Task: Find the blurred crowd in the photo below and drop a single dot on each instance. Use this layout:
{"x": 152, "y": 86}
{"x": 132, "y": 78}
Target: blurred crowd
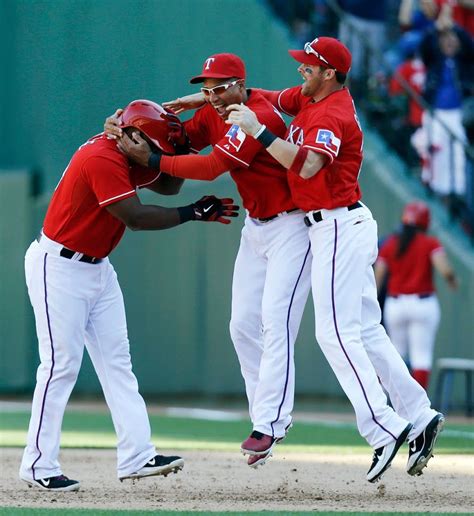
{"x": 413, "y": 76}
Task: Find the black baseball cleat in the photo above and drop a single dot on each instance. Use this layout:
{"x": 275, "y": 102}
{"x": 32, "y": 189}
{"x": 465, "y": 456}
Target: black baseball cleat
{"x": 59, "y": 483}
{"x": 384, "y": 455}
{"x": 421, "y": 448}
{"x": 158, "y": 465}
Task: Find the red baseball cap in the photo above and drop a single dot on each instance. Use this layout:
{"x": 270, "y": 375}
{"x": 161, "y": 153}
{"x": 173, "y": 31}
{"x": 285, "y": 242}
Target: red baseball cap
{"x": 328, "y": 52}
{"x": 221, "y": 66}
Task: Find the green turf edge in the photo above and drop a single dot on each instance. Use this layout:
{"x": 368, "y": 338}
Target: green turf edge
{"x": 14, "y": 511}
{"x": 73, "y": 512}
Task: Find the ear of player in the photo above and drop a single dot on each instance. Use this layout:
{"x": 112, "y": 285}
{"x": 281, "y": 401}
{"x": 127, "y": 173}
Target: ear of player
{"x": 212, "y": 209}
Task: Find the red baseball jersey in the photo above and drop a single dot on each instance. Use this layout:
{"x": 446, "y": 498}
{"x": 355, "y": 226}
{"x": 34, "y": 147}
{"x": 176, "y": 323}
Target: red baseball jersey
{"x": 330, "y": 127}
{"x": 414, "y": 73}
{"x": 260, "y": 179}
{"x": 97, "y": 175}
{"x": 411, "y": 273}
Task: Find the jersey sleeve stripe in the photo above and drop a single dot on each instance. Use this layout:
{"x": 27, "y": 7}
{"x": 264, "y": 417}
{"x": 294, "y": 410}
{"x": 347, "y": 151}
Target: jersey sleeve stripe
{"x": 232, "y": 156}
{"x": 149, "y": 182}
{"x": 131, "y": 192}
{"x": 279, "y": 103}
{"x": 322, "y": 151}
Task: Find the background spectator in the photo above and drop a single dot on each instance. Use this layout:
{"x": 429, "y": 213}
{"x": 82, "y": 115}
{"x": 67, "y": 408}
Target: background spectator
{"x": 411, "y": 311}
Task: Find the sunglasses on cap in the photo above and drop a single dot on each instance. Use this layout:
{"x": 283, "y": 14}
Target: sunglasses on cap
{"x": 310, "y": 50}
{"x": 220, "y": 89}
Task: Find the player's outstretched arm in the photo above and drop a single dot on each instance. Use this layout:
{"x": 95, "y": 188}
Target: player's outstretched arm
{"x": 181, "y": 104}
{"x": 140, "y": 217}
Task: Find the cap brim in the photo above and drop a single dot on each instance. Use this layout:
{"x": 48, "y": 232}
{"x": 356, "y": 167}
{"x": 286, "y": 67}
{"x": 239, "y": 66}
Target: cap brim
{"x": 302, "y": 57}
{"x": 201, "y": 78}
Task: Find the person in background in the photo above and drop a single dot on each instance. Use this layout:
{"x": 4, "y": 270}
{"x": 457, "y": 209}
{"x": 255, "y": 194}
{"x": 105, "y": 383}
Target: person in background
{"x": 363, "y": 29}
{"x": 448, "y": 55}
{"x": 411, "y": 313}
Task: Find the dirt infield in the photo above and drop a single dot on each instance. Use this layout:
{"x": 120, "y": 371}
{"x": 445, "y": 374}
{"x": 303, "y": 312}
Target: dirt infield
{"x": 215, "y": 481}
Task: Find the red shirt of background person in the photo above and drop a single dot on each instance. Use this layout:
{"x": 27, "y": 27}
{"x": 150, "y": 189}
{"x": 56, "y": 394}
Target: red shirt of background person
{"x": 413, "y": 71}
{"x": 98, "y": 175}
{"x": 411, "y": 256}
{"x": 411, "y": 310}
{"x": 412, "y": 272}
{"x": 462, "y": 13}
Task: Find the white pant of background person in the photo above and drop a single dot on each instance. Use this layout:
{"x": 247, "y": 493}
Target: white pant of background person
{"x": 445, "y": 170}
{"x": 349, "y": 332}
{"x": 77, "y": 304}
{"x": 412, "y": 323}
{"x": 270, "y": 287}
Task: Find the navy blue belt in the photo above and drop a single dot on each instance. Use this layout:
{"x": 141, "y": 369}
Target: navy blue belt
{"x": 421, "y": 296}
{"x": 318, "y": 217}
{"x": 67, "y": 253}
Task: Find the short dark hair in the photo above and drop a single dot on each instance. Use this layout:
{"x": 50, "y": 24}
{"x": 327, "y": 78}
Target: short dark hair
{"x": 341, "y": 77}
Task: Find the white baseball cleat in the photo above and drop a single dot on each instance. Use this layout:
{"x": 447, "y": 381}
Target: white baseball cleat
{"x": 421, "y": 448}
{"x": 58, "y": 483}
{"x": 384, "y": 455}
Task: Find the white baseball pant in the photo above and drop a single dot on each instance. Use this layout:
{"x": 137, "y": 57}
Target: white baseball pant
{"x": 349, "y": 332}
{"x": 412, "y": 323}
{"x": 77, "y": 304}
{"x": 269, "y": 292}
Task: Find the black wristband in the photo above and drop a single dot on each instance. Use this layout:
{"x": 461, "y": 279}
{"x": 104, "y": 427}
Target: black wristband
{"x": 154, "y": 160}
{"x": 266, "y": 138}
{"x": 186, "y": 213}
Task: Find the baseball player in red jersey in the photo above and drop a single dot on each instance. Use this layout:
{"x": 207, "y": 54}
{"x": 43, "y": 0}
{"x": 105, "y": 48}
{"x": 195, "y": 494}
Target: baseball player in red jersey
{"x": 77, "y": 300}
{"x": 271, "y": 277}
{"x": 323, "y": 154}
{"x": 411, "y": 312}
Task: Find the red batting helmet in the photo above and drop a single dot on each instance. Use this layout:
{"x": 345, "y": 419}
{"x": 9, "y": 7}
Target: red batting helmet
{"x": 416, "y": 214}
{"x": 151, "y": 119}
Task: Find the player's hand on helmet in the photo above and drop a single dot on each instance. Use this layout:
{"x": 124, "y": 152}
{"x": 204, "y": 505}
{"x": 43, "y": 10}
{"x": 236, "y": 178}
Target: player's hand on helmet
{"x": 182, "y": 104}
{"x": 177, "y": 134}
{"x": 112, "y": 127}
{"x": 212, "y": 209}
{"x": 136, "y": 148}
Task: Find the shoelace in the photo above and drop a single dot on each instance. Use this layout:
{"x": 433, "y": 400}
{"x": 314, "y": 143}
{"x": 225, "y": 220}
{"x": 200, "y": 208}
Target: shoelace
{"x": 257, "y": 435}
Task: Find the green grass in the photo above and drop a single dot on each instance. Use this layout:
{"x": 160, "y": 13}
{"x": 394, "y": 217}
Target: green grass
{"x": 95, "y": 430}
{"x": 93, "y": 512}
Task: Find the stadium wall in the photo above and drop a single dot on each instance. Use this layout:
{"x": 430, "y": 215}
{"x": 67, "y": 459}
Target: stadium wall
{"x": 73, "y": 63}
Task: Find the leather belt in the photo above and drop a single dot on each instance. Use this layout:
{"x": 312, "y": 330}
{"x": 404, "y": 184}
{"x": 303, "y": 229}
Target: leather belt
{"x": 68, "y": 253}
{"x": 268, "y": 219}
{"x": 317, "y": 216}
{"x": 421, "y": 296}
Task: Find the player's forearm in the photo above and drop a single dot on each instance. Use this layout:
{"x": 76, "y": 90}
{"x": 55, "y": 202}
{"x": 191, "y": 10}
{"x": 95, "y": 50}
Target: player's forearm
{"x": 284, "y": 152}
{"x": 151, "y": 217}
{"x": 298, "y": 160}
{"x": 205, "y": 168}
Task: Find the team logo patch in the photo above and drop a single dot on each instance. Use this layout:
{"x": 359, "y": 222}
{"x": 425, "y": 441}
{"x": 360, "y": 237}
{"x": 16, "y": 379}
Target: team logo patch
{"x": 327, "y": 138}
{"x": 236, "y": 136}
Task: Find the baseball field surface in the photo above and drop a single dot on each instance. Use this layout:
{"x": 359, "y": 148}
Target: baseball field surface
{"x": 320, "y": 467}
